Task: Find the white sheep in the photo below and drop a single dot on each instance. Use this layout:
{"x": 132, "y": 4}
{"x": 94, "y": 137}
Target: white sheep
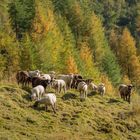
{"x": 35, "y": 73}
{"x": 82, "y": 88}
{"x": 49, "y": 99}
{"x": 93, "y": 87}
{"x": 46, "y": 76}
{"x": 37, "y": 92}
{"x": 101, "y": 88}
{"x": 58, "y": 85}
{"x": 67, "y": 78}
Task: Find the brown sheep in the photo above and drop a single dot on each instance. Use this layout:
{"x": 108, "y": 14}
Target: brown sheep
{"x": 40, "y": 81}
{"x": 23, "y": 78}
{"x": 75, "y": 78}
{"x": 125, "y": 91}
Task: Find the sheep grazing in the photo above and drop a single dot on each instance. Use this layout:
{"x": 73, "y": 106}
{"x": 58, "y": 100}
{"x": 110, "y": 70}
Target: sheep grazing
{"x": 82, "y": 88}
{"x": 37, "y": 92}
{"x": 58, "y": 85}
{"x": 125, "y": 91}
{"x": 35, "y": 73}
{"x": 40, "y": 81}
{"x": 49, "y": 99}
{"x": 101, "y": 89}
{"x": 23, "y": 78}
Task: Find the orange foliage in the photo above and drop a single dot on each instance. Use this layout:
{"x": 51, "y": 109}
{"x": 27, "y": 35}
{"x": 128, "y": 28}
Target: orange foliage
{"x": 86, "y": 55}
{"x": 71, "y": 65}
{"x": 110, "y": 90}
{"x": 126, "y": 50}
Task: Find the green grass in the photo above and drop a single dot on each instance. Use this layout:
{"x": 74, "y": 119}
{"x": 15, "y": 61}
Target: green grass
{"x": 97, "y": 118}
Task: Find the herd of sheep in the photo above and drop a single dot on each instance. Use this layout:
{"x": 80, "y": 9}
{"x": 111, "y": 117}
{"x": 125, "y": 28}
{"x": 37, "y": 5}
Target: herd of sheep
{"x": 61, "y": 83}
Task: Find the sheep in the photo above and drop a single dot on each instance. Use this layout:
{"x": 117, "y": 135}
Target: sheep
{"x": 58, "y": 85}
{"x": 87, "y": 81}
{"x": 93, "y": 87}
{"x": 82, "y": 88}
{"x": 67, "y": 78}
{"x": 52, "y": 74}
{"x": 37, "y": 92}
{"x": 101, "y": 89}
{"x": 35, "y": 73}
{"x": 75, "y": 78}
{"x": 125, "y": 91}
{"x": 45, "y": 76}
{"x": 40, "y": 81}
{"x": 23, "y": 78}
{"x": 49, "y": 99}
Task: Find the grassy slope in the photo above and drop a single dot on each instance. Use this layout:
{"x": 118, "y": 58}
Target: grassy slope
{"x": 96, "y": 118}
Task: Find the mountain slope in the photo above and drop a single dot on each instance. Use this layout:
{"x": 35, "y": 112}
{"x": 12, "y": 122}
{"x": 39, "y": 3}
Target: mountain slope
{"x": 96, "y": 118}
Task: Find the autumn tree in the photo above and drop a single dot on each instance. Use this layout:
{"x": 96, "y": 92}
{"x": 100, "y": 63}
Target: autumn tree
{"x": 126, "y": 50}
{"x": 9, "y": 55}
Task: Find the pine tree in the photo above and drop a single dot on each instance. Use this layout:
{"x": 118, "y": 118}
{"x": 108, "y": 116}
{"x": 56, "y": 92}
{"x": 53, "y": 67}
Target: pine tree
{"x": 21, "y": 14}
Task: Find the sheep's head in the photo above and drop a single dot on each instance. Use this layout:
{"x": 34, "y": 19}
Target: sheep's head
{"x": 130, "y": 86}
{"x": 33, "y": 97}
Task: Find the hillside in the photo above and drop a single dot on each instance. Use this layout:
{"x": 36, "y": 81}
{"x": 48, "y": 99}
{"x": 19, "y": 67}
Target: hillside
{"x": 107, "y": 118}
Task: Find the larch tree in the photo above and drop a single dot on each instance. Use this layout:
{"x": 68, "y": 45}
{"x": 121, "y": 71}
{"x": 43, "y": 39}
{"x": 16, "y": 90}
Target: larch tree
{"x": 126, "y": 50}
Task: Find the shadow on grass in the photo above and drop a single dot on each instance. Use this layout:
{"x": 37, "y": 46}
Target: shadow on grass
{"x": 27, "y": 97}
{"x": 27, "y": 89}
{"x": 92, "y": 93}
{"x": 68, "y": 96}
{"x": 42, "y": 108}
{"x": 112, "y": 100}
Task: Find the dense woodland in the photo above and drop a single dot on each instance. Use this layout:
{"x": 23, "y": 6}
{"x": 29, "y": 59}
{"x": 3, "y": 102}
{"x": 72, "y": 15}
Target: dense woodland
{"x": 95, "y": 38}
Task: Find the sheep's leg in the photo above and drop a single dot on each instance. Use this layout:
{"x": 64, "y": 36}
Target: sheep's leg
{"x": 46, "y": 107}
{"x": 80, "y": 95}
{"x": 60, "y": 89}
{"x": 85, "y": 94}
{"x": 53, "y": 108}
{"x": 64, "y": 88}
{"x": 121, "y": 96}
{"x": 128, "y": 99}
{"x": 102, "y": 93}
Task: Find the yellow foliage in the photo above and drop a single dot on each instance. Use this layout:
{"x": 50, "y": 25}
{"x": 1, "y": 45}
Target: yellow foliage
{"x": 71, "y": 65}
{"x": 44, "y": 20}
{"x": 86, "y": 55}
{"x": 134, "y": 64}
{"x": 110, "y": 90}
{"x": 126, "y": 50}
{"x": 126, "y": 80}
